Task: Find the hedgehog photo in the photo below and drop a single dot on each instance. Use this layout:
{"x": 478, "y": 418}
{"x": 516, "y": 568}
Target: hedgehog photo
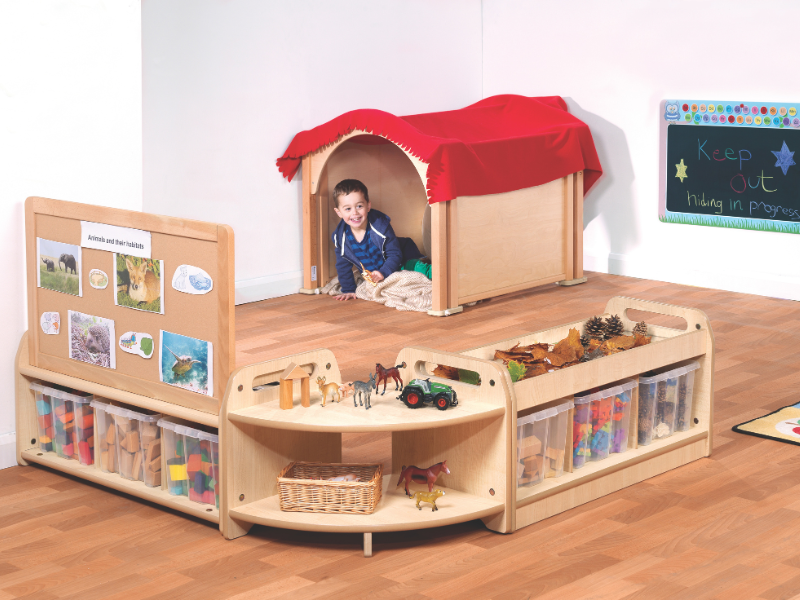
{"x": 91, "y": 339}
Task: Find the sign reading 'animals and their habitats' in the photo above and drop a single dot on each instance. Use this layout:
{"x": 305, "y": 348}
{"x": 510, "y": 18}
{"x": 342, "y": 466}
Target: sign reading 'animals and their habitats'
{"x": 733, "y": 165}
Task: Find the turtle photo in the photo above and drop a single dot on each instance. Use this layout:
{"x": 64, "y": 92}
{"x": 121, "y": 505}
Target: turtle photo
{"x": 182, "y": 364}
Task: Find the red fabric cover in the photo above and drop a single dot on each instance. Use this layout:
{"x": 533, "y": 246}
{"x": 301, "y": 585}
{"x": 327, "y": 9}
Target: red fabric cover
{"x": 499, "y": 144}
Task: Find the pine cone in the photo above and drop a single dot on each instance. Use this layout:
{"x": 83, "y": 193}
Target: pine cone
{"x": 640, "y": 328}
{"x": 585, "y": 339}
{"x": 595, "y": 328}
{"x": 613, "y": 327}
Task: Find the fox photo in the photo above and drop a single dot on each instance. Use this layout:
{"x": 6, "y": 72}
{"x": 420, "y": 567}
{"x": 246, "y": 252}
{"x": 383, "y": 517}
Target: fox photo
{"x": 140, "y": 284}
{"x": 59, "y": 266}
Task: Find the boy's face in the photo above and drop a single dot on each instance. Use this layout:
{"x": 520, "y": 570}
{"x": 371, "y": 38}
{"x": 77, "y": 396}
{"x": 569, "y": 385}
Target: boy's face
{"x": 353, "y": 209}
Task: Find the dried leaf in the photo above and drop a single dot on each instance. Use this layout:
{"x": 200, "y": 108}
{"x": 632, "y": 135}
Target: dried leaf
{"x": 621, "y": 342}
{"x": 641, "y": 340}
{"x": 446, "y": 372}
{"x": 570, "y": 345}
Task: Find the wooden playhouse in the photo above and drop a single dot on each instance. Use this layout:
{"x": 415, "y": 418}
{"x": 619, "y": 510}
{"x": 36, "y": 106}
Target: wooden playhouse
{"x": 493, "y": 192}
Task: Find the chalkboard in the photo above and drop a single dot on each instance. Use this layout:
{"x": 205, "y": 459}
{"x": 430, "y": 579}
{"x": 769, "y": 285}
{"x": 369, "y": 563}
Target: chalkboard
{"x": 733, "y": 177}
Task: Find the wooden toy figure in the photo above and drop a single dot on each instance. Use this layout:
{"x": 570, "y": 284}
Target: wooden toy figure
{"x": 328, "y": 388}
{"x": 429, "y": 475}
{"x": 287, "y": 378}
{"x": 429, "y": 497}
{"x": 384, "y": 374}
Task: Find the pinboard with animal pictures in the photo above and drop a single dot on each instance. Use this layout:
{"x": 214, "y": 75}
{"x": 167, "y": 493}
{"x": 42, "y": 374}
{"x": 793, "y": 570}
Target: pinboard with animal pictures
{"x": 131, "y": 300}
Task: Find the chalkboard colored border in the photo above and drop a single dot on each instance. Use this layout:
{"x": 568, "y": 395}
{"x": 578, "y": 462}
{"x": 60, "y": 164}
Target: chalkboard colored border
{"x": 714, "y": 186}
{"x": 726, "y": 113}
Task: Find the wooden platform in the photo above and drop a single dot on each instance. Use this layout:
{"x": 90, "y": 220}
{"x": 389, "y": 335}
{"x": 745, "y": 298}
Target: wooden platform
{"x": 722, "y": 527}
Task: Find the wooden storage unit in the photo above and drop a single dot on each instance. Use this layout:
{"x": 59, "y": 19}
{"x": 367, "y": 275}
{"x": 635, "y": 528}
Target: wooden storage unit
{"x": 258, "y": 440}
{"x": 28, "y": 443}
{"x": 526, "y": 238}
{"x": 596, "y": 479}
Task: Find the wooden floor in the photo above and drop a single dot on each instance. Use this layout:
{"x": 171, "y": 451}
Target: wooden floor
{"x": 723, "y": 527}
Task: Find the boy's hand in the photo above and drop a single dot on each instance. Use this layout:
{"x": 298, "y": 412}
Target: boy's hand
{"x": 376, "y": 276}
{"x": 350, "y": 296}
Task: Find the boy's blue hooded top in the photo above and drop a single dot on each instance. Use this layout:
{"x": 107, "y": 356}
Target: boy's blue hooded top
{"x": 381, "y": 235}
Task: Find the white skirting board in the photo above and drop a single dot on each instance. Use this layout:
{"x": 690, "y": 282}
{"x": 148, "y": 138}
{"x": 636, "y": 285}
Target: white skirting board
{"x": 271, "y": 286}
{"x": 761, "y": 284}
{"x": 8, "y": 450}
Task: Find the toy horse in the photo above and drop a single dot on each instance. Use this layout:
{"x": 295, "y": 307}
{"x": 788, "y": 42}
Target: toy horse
{"x": 430, "y": 497}
{"x": 384, "y": 374}
{"x": 429, "y": 475}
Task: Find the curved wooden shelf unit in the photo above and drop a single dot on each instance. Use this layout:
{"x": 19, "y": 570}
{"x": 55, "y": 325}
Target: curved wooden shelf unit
{"x": 386, "y": 414}
{"x": 395, "y": 512}
{"x": 114, "y": 481}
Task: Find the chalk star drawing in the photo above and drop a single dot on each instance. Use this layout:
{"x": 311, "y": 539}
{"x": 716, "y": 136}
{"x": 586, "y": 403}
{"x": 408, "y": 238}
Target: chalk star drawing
{"x": 784, "y": 158}
{"x": 682, "y": 171}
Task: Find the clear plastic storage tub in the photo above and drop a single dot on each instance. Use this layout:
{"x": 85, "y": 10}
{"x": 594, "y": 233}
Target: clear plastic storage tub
{"x": 683, "y": 416}
{"x": 624, "y": 394}
{"x": 581, "y": 431}
{"x": 138, "y": 445}
{"x": 67, "y": 428}
{"x": 177, "y": 477}
{"x": 557, "y": 441}
{"x": 658, "y": 402}
{"x": 106, "y": 438}
{"x": 531, "y": 446}
{"x": 192, "y": 457}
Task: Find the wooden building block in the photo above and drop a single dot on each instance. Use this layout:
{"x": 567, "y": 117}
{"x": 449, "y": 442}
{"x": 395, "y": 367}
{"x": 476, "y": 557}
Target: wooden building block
{"x": 305, "y": 392}
{"x": 130, "y": 442}
{"x": 137, "y": 465}
{"x": 111, "y": 434}
{"x": 287, "y": 395}
{"x": 125, "y": 463}
{"x": 533, "y": 448}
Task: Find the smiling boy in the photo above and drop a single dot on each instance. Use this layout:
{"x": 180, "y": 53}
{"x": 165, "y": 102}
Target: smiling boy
{"x": 364, "y": 237}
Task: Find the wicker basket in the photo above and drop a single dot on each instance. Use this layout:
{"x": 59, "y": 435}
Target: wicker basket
{"x": 302, "y": 487}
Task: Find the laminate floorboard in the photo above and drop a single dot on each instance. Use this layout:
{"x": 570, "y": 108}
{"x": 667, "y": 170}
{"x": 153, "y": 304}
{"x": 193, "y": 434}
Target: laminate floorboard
{"x": 724, "y": 527}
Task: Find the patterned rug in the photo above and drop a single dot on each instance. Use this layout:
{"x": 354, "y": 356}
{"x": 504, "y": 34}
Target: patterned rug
{"x": 782, "y": 425}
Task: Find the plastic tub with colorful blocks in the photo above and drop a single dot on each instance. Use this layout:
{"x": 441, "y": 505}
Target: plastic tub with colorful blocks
{"x": 138, "y": 444}
{"x": 192, "y": 462}
{"x": 66, "y": 423}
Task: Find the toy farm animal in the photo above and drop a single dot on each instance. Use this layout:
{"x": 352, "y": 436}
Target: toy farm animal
{"x": 328, "y": 388}
{"x": 429, "y": 475}
{"x": 363, "y": 389}
{"x": 384, "y": 374}
{"x": 430, "y": 497}
{"x": 346, "y": 389}
{"x": 69, "y": 262}
{"x": 144, "y": 285}
{"x": 49, "y": 263}
{"x": 182, "y": 364}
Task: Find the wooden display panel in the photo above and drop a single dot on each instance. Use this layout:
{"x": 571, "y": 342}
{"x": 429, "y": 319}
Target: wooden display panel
{"x": 208, "y": 317}
{"x": 511, "y": 241}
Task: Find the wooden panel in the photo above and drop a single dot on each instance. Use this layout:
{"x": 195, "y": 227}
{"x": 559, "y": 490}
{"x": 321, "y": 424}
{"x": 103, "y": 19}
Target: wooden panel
{"x": 252, "y": 456}
{"x": 208, "y": 317}
{"x": 511, "y": 239}
{"x": 611, "y": 482}
{"x": 440, "y": 257}
{"x": 578, "y": 230}
{"x": 310, "y": 229}
{"x": 478, "y": 453}
{"x": 115, "y": 482}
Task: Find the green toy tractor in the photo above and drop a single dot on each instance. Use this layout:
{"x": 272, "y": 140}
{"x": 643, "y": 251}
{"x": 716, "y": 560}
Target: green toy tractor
{"x": 419, "y": 391}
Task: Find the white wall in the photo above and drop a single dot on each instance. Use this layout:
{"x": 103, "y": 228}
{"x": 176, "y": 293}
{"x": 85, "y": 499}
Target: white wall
{"x": 70, "y": 128}
{"x": 614, "y": 63}
{"x": 228, "y": 84}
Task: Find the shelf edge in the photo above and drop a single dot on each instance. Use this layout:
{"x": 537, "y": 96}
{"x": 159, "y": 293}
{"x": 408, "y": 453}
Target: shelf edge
{"x": 133, "y": 488}
{"x": 494, "y": 411}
